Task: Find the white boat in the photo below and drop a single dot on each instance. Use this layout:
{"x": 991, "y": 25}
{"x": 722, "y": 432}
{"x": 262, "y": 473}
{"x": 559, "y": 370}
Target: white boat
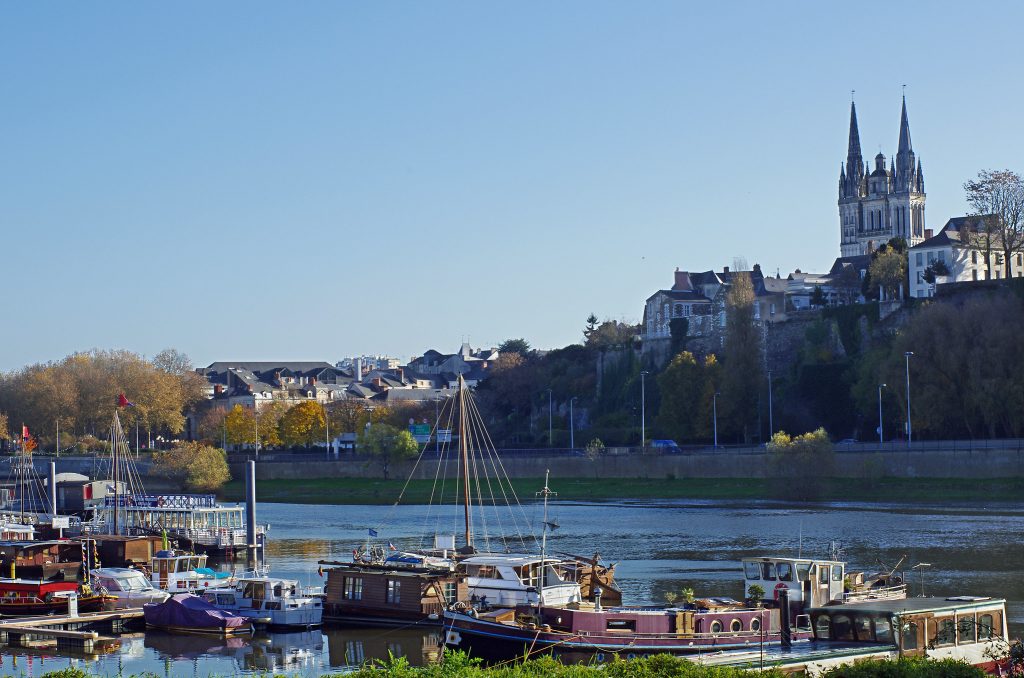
{"x": 129, "y": 586}
{"x": 182, "y": 572}
{"x": 507, "y": 580}
{"x": 272, "y": 601}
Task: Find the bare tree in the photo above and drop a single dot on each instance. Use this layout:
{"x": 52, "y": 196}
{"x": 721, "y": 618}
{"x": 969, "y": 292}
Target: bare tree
{"x": 997, "y": 199}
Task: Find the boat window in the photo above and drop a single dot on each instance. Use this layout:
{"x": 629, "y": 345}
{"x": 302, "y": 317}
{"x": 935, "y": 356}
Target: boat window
{"x": 785, "y": 572}
{"x": 803, "y": 571}
{"x": 909, "y": 636}
{"x": 394, "y": 594}
{"x": 353, "y": 588}
{"x": 945, "y": 632}
{"x": 823, "y": 574}
{"x": 837, "y": 573}
{"x": 842, "y": 628}
{"x": 225, "y": 599}
{"x": 624, "y": 625}
{"x": 862, "y": 627}
{"x": 735, "y": 625}
{"x": 451, "y": 591}
{"x": 716, "y": 626}
{"x": 755, "y": 624}
{"x": 965, "y": 628}
{"x": 883, "y": 629}
{"x": 768, "y": 571}
{"x": 985, "y": 626}
{"x": 751, "y": 570}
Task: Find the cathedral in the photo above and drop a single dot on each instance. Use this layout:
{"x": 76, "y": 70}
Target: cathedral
{"x": 878, "y": 204}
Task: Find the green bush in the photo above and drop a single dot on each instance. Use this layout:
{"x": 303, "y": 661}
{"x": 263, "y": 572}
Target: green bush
{"x": 917, "y": 667}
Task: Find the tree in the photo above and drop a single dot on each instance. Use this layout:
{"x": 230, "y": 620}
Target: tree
{"x": 678, "y": 328}
{"x": 388, "y": 444}
{"x": 4, "y": 427}
{"x": 742, "y": 368}
{"x": 240, "y": 425}
{"x": 612, "y": 333}
{"x": 889, "y": 271}
{"x": 590, "y": 328}
{"x": 681, "y": 385}
{"x": 303, "y": 425}
{"x": 997, "y": 200}
{"x": 198, "y": 467}
{"x": 808, "y": 460}
{"x": 818, "y": 296}
{"x": 520, "y": 346}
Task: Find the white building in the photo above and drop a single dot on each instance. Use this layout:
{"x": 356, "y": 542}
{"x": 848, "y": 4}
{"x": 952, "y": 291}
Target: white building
{"x": 953, "y": 258}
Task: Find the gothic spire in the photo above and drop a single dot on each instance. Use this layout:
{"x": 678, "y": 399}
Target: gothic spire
{"x": 904, "y": 130}
{"x": 853, "y": 156}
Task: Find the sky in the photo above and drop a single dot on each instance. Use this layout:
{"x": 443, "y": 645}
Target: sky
{"x": 312, "y": 181}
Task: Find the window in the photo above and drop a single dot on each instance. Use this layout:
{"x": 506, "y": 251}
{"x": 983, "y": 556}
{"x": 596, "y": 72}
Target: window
{"x": 931, "y": 257}
{"x": 974, "y": 274}
{"x": 920, "y": 259}
{"x": 945, "y": 632}
{"x": 842, "y": 628}
{"x": 679, "y": 310}
{"x": 965, "y": 628}
{"x": 755, "y": 624}
{"x": 823, "y": 574}
{"x": 353, "y": 588}
{"x": 716, "y": 626}
{"x": 909, "y": 636}
{"x": 751, "y": 570}
{"x": 942, "y": 256}
{"x": 621, "y": 625}
{"x": 451, "y": 591}
{"x": 985, "y": 624}
{"x": 768, "y": 571}
{"x": 735, "y": 626}
{"x": 394, "y": 594}
{"x": 862, "y": 627}
{"x": 785, "y": 572}
{"x": 686, "y": 311}
{"x": 883, "y": 630}
{"x": 803, "y": 571}
{"x": 837, "y": 573}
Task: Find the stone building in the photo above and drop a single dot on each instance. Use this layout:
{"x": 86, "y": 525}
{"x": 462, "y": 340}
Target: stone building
{"x": 879, "y": 204}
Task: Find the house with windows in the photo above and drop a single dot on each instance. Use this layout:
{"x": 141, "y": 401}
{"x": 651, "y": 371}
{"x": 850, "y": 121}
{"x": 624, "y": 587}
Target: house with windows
{"x": 955, "y": 254}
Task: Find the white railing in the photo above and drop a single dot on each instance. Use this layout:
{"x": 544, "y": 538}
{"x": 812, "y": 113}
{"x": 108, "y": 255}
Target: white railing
{"x": 881, "y": 593}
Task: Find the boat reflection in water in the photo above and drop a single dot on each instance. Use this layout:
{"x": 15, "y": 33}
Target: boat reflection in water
{"x": 274, "y": 652}
{"x": 351, "y": 647}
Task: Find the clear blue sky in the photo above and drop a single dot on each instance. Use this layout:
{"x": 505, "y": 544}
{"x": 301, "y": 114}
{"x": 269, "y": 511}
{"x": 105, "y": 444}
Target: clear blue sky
{"x": 316, "y": 180}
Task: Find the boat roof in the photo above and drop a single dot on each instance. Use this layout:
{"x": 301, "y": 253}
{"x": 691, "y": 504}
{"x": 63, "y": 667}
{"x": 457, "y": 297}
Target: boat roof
{"x": 512, "y": 559}
{"x": 911, "y": 605}
{"x": 268, "y": 580}
{"x": 116, "y": 571}
{"x": 765, "y": 559}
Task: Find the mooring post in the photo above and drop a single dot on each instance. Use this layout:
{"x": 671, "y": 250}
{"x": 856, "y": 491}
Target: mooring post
{"x": 250, "y": 511}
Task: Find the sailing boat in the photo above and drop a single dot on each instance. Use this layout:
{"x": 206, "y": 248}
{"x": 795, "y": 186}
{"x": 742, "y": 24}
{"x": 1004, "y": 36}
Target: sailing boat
{"x": 372, "y": 587}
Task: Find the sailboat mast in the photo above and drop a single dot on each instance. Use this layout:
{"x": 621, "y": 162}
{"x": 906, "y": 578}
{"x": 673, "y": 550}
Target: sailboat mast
{"x": 114, "y": 430}
{"x": 464, "y": 453}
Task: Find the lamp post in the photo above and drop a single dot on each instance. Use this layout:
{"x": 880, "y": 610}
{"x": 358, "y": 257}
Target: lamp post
{"x": 714, "y": 414}
{"x": 771, "y": 419}
{"x": 572, "y": 427}
{"x": 550, "y": 439}
{"x": 881, "y": 431}
{"x": 643, "y": 410}
{"x": 910, "y": 428}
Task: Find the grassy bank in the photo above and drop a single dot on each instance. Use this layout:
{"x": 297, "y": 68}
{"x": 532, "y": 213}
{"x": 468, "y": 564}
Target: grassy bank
{"x": 911, "y": 490}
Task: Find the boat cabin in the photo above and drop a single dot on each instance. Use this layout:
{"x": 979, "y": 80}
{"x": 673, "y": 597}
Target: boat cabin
{"x": 178, "y": 571}
{"x": 197, "y": 519}
{"x": 811, "y": 582}
{"x": 389, "y": 594}
{"x": 508, "y": 580}
{"x": 41, "y": 559}
{"x": 961, "y": 627}
{"x": 122, "y": 551}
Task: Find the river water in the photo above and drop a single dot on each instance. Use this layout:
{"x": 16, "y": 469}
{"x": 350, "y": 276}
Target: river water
{"x": 659, "y": 546}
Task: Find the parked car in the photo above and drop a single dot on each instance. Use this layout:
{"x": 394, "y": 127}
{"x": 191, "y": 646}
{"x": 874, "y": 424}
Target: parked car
{"x": 666, "y": 446}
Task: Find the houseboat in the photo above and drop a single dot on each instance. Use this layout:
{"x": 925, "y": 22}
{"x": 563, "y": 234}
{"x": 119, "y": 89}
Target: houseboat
{"x": 965, "y": 628}
{"x": 41, "y": 559}
{"x": 814, "y": 582}
{"x": 25, "y": 597}
{"x": 509, "y": 580}
{"x": 271, "y": 601}
{"x": 126, "y": 586}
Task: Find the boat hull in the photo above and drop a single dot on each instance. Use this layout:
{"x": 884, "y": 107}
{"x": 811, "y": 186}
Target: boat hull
{"x": 56, "y": 606}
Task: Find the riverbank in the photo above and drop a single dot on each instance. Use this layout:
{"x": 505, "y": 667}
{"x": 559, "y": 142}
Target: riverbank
{"x": 985, "y": 492}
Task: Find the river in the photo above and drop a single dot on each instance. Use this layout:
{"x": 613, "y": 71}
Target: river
{"x": 659, "y": 546}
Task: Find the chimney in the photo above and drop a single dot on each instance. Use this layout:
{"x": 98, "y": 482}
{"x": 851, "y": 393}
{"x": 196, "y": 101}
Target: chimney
{"x": 682, "y": 281}
{"x": 377, "y": 382}
{"x": 358, "y": 371}
{"x": 312, "y": 381}
{"x": 725, "y": 270}
{"x": 928, "y": 233}
{"x": 218, "y": 389}
{"x": 401, "y": 374}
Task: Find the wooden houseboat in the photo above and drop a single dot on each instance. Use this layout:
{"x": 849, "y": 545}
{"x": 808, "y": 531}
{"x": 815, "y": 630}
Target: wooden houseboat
{"x": 41, "y": 559}
{"x": 389, "y": 594}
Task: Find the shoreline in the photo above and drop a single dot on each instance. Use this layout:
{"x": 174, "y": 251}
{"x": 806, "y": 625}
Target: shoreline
{"x": 345, "y": 491}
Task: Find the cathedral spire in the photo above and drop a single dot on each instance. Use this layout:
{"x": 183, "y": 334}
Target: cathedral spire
{"x": 905, "y": 145}
{"x": 853, "y": 156}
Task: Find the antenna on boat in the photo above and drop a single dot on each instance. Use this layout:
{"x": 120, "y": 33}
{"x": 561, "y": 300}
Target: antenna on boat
{"x": 545, "y": 493}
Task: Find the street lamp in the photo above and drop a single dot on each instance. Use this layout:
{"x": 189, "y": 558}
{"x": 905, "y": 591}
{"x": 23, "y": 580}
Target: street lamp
{"x": 643, "y": 410}
{"x": 550, "y": 439}
{"x": 714, "y": 412}
{"x": 572, "y": 428}
{"x": 910, "y": 429}
{"x": 771, "y": 419}
{"x": 881, "y": 432}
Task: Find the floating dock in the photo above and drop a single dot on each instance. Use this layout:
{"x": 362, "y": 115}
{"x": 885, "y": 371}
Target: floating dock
{"x": 80, "y": 633}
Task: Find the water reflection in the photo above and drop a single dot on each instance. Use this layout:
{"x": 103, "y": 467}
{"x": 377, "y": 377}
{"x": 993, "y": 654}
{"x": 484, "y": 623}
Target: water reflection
{"x": 659, "y": 547}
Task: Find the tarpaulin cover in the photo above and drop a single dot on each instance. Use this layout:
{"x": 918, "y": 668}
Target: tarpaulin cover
{"x": 189, "y": 611}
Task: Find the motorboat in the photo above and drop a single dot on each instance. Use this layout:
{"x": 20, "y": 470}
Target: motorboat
{"x": 127, "y": 586}
{"x": 190, "y": 614}
{"x": 269, "y": 600}
{"x": 179, "y": 571}
{"x": 23, "y": 597}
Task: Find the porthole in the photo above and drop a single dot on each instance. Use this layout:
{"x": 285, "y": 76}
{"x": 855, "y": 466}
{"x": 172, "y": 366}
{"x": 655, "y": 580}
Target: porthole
{"x": 736, "y": 625}
{"x": 716, "y": 626}
{"x": 755, "y": 624}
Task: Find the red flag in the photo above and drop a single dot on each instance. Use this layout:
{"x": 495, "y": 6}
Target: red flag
{"x": 320, "y": 570}
{"x": 123, "y": 402}
{"x": 24, "y": 432}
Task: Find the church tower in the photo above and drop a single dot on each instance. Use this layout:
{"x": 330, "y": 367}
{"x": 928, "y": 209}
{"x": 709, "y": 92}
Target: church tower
{"x": 883, "y": 203}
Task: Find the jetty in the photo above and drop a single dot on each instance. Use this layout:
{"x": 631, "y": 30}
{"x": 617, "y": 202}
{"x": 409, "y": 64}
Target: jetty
{"x": 72, "y": 632}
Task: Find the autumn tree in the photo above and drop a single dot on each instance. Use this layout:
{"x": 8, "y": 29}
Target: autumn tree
{"x": 889, "y": 270}
{"x": 997, "y": 200}
{"x": 5, "y": 433}
{"x": 197, "y": 467}
{"x": 681, "y": 385}
{"x": 520, "y": 346}
{"x": 611, "y": 333}
{"x": 742, "y": 369}
{"x": 388, "y": 444}
{"x": 303, "y": 425}
{"x": 808, "y": 460}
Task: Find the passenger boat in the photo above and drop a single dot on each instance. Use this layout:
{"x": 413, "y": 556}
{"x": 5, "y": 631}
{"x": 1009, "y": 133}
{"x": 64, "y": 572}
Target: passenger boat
{"x": 271, "y": 601}
{"x": 366, "y": 590}
{"x": 189, "y": 614}
{"x": 26, "y": 597}
{"x": 127, "y": 586}
{"x": 965, "y": 628}
{"x": 180, "y": 572}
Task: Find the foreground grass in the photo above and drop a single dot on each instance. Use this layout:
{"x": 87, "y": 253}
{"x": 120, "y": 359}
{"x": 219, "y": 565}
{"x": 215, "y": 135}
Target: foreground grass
{"x": 903, "y": 490}
{"x": 458, "y": 665}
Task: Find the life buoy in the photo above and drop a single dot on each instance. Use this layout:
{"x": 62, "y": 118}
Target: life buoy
{"x": 779, "y": 587}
